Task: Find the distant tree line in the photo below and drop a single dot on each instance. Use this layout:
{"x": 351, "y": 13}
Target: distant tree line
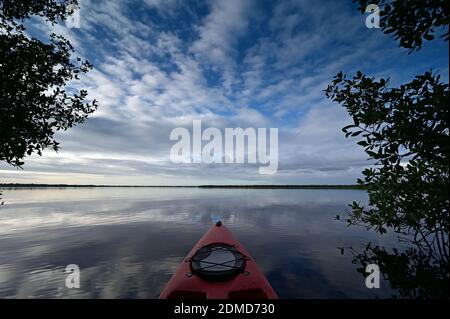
{"x": 31, "y": 185}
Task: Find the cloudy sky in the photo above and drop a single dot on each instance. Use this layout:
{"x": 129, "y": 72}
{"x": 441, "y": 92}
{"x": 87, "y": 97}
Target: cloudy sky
{"x": 160, "y": 64}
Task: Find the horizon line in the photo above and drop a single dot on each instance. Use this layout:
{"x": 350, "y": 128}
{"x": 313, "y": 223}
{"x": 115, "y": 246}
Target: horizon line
{"x": 187, "y": 186}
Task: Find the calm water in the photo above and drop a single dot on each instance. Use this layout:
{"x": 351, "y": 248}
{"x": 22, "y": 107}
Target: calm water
{"x": 128, "y": 241}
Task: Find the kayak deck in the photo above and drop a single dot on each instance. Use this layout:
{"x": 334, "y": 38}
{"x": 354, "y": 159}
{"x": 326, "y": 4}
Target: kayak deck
{"x": 208, "y": 273}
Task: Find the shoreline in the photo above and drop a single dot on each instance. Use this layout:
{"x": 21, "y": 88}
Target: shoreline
{"x": 17, "y": 185}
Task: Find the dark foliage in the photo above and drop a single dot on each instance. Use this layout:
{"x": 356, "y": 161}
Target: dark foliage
{"x": 412, "y": 21}
{"x": 34, "y": 99}
{"x": 405, "y": 131}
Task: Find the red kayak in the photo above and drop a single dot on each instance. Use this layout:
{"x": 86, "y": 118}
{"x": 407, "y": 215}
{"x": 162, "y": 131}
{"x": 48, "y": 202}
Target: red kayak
{"x": 218, "y": 267}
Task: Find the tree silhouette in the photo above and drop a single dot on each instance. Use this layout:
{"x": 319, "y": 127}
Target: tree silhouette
{"x": 412, "y": 21}
{"x": 35, "y": 100}
{"x": 406, "y": 131}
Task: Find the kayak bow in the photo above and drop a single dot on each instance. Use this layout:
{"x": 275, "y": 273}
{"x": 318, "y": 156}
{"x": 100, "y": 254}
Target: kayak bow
{"x": 218, "y": 267}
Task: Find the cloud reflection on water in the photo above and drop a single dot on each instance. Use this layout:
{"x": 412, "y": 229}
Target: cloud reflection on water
{"x": 128, "y": 242}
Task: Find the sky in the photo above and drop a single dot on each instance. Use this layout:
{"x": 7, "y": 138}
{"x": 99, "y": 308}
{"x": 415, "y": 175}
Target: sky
{"x": 160, "y": 64}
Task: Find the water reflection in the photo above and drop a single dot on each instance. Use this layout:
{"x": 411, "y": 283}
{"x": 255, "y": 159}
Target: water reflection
{"x": 129, "y": 241}
{"x": 414, "y": 273}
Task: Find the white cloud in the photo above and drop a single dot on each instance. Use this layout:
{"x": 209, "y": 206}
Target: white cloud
{"x": 221, "y": 29}
{"x": 235, "y": 66}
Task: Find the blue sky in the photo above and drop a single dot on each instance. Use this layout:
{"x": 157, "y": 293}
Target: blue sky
{"x": 160, "y": 64}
